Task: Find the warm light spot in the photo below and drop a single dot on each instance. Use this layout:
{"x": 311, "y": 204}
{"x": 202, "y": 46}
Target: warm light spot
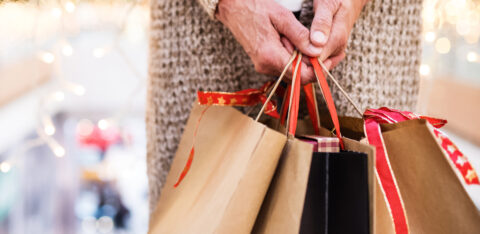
{"x": 442, "y": 45}
{"x": 56, "y": 13}
{"x": 424, "y": 70}
{"x": 59, "y": 151}
{"x": 428, "y": 15}
{"x": 69, "y": 7}
{"x": 472, "y": 57}
{"x": 103, "y": 124}
{"x": 430, "y": 36}
{"x": 49, "y": 129}
{"x": 47, "y": 57}
{"x": 5, "y": 167}
{"x": 67, "y": 50}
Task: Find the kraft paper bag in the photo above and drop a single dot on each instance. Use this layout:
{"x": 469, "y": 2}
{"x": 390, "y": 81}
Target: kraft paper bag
{"x": 433, "y": 195}
{"x": 284, "y": 204}
{"x": 235, "y": 159}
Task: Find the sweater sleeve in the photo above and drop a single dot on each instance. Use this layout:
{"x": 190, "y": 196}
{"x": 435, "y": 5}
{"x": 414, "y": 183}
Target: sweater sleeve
{"x": 210, "y": 6}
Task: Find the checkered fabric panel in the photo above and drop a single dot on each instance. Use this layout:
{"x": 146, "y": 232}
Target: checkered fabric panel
{"x": 328, "y": 144}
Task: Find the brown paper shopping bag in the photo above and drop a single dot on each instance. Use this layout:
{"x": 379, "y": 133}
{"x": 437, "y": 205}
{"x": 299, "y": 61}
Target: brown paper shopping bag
{"x": 283, "y": 210}
{"x": 421, "y": 175}
{"x": 235, "y": 159}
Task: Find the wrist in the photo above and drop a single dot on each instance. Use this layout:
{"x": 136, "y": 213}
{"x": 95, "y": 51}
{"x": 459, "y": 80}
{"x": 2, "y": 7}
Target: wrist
{"x": 223, "y": 7}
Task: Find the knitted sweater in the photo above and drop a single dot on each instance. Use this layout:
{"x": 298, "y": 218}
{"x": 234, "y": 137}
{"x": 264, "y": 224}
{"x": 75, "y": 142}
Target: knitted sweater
{"x": 190, "y": 51}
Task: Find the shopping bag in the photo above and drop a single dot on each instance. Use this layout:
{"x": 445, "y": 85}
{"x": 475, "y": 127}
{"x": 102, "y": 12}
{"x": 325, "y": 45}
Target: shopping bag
{"x": 300, "y": 198}
{"x": 223, "y": 166}
{"x": 235, "y": 158}
{"x": 421, "y": 175}
{"x": 337, "y": 194}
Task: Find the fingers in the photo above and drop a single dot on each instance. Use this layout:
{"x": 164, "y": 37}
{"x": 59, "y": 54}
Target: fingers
{"x": 337, "y": 42}
{"x": 307, "y": 76}
{"x": 322, "y": 21}
{"x": 287, "y": 44}
{"x": 286, "y": 24}
{"x": 332, "y": 62}
{"x": 272, "y": 59}
{"x": 290, "y": 48}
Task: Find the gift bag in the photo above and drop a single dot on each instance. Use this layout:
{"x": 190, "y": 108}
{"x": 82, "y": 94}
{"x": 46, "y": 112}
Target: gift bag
{"x": 234, "y": 161}
{"x": 318, "y": 192}
{"x": 420, "y": 174}
{"x": 223, "y": 166}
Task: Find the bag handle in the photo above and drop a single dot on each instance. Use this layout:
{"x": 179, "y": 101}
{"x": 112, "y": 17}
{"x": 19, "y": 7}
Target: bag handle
{"x": 322, "y": 82}
{"x": 294, "y": 99}
{"x": 312, "y": 106}
{"x": 320, "y": 64}
{"x": 293, "y": 106}
{"x": 277, "y": 83}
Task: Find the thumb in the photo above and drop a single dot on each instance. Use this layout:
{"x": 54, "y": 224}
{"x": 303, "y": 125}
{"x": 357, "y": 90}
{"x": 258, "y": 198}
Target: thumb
{"x": 322, "y": 21}
{"x": 287, "y": 25}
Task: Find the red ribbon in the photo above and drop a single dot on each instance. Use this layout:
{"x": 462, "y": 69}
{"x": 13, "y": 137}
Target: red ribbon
{"x": 312, "y": 107}
{"x": 187, "y": 166}
{"x": 247, "y": 97}
{"x": 293, "y": 118}
{"x": 322, "y": 81}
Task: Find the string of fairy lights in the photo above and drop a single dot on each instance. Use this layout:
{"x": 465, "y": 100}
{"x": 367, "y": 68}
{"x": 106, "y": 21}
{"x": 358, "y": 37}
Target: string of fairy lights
{"x": 460, "y": 16}
{"x": 62, "y": 48}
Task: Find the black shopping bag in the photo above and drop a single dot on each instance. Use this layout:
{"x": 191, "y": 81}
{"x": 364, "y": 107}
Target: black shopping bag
{"x": 337, "y": 198}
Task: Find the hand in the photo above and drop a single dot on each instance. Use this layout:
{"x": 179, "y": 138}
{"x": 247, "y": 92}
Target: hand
{"x": 331, "y": 27}
{"x": 259, "y": 25}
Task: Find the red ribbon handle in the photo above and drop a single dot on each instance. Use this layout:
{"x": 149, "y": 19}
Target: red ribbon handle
{"x": 322, "y": 82}
{"x": 293, "y": 110}
{"x": 312, "y": 107}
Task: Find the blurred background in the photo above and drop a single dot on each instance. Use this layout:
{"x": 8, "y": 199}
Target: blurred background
{"x": 72, "y": 99}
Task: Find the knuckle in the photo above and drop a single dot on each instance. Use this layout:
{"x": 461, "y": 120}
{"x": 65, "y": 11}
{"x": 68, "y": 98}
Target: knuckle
{"x": 322, "y": 22}
{"x": 303, "y": 34}
{"x": 335, "y": 5}
{"x": 283, "y": 13}
{"x": 263, "y": 60}
{"x": 282, "y": 16}
{"x": 302, "y": 39}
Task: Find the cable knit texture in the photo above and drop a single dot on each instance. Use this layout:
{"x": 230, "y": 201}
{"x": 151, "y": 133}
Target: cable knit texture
{"x": 191, "y": 51}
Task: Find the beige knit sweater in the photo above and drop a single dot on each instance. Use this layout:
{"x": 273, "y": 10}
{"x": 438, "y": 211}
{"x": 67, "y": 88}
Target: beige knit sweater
{"x": 191, "y": 51}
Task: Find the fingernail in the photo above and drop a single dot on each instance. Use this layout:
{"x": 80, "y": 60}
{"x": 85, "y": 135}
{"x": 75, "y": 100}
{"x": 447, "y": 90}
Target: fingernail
{"x": 319, "y": 37}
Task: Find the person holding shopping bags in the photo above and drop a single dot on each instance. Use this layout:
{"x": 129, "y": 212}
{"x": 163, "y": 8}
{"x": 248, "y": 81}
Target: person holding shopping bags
{"x": 372, "y": 47}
